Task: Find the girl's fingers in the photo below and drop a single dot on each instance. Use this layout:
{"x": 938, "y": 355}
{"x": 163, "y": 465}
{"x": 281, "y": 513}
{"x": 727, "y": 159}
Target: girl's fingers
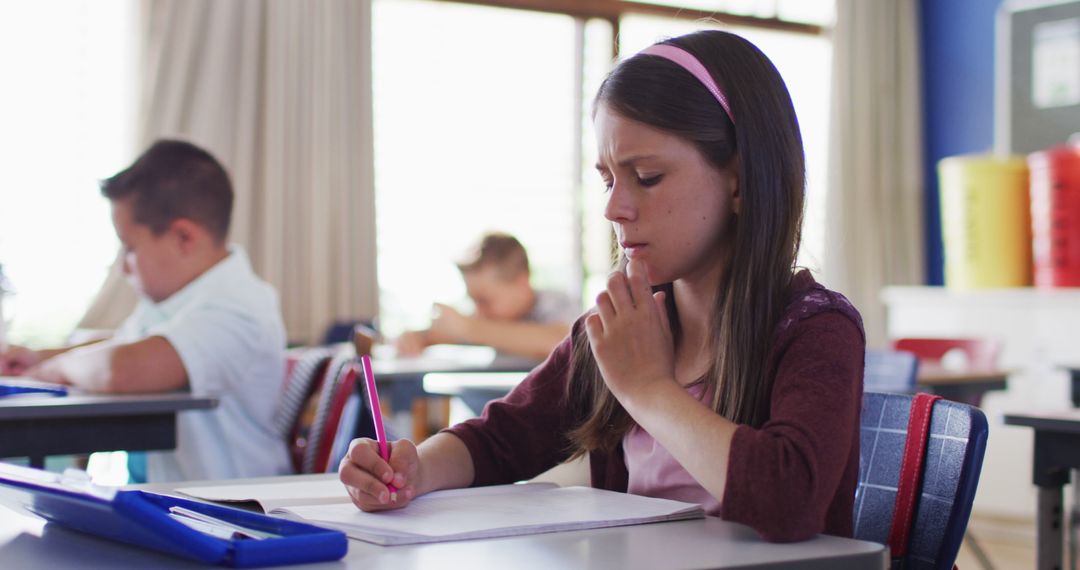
{"x": 404, "y": 461}
{"x": 660, "y": 298}
{"x": 619, "y": 290}
{"x": 365, "y": 489}
{"x": 594, "y": 327}
{"x": 605, "y": 309}
{"x": 637, "y": 277}
{"x": 364, "y": 453}
{"x": 366, "y": 476}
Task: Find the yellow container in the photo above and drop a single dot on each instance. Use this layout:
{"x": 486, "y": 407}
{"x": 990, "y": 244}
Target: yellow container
{"x": 985, "y": 221}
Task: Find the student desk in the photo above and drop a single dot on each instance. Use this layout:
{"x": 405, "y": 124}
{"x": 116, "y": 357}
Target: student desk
{"x": 1057, "y": 450}
{"x": 37, "y": 426}
{"x": 26, "y": 542}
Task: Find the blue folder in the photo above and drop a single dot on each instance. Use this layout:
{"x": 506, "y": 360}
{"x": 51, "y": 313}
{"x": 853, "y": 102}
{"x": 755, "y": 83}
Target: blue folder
{"x": 142, "y": 518}
{"x": 20, "y": 386}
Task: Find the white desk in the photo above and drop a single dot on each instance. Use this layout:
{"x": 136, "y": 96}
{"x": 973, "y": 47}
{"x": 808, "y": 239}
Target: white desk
{"x": 26, "y": 542}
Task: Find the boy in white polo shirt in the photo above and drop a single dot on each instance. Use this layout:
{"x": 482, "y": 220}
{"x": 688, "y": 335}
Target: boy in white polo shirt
{"x": 205, "y": 322}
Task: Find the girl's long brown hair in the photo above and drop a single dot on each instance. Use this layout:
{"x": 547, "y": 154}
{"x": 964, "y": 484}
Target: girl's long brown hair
{"x": 765, "y": 146}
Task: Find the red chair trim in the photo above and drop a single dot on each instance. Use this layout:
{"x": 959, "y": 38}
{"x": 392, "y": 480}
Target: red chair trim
{"x": 907, "y": 489}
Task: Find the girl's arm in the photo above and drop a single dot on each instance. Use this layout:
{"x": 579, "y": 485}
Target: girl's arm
{"x": 781, "y": 478}
{"x": 697, "y": 437}
{"x": 445, "y": 463}
{"x": 525, "y": 433}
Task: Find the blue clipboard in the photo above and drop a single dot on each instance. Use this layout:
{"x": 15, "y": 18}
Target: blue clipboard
{"x": 142, "y": 518}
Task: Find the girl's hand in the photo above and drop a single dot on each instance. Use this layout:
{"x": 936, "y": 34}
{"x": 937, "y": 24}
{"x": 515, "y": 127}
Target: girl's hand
{"x": 366, "y": 475}
{"x": 630, "y": 335}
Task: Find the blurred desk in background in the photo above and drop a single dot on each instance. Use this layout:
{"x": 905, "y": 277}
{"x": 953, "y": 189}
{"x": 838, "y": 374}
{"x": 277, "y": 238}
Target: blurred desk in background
{"x": 401, "y": 380}
{"x": 967, "y": 386}
{"x": 1057, "y": 452}
{"x": 474, "y": 388}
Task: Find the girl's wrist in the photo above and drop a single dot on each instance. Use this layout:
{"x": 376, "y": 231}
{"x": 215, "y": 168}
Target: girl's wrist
{"x": 647, "y": 395}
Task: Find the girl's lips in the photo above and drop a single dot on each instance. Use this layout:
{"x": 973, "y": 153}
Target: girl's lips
{"x": 632, "y": 249}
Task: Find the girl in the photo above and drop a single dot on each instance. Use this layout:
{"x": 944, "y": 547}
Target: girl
{"x": 710, "y": 371}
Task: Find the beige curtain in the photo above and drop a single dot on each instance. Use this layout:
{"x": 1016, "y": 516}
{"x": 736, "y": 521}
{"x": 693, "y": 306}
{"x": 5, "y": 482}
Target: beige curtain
{"x": 874, "y": 216}
{"x": 280, "y": 92}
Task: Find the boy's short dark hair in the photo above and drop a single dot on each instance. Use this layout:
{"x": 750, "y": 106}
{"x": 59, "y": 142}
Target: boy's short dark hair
{"x": 175, "y": 179}
{"x": 499, "y": 250}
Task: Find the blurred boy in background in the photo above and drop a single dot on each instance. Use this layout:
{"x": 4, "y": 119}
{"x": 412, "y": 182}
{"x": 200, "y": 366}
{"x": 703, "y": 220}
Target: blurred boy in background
{"x": 511, "y": 316}
{"x": 205, "y": 322}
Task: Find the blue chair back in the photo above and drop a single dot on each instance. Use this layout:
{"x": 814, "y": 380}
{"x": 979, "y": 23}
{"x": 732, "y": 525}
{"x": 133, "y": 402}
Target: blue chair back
{"x": 890, "y": 371}
{"x": 953, "y": 461}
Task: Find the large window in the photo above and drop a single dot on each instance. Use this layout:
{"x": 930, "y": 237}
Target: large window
{"x": 474, "y": 131}
{"x": 67, "y": 110}
{"x": 482, "y": 121}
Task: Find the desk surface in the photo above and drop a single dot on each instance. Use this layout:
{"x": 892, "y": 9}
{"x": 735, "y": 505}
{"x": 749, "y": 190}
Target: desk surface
{"x": 89, "y": 405}
{"x": 38, "y": 426}
{"x": 937, "y": 376}
{"x": 1060, "y": 421}
{"x": 27, "y": 542}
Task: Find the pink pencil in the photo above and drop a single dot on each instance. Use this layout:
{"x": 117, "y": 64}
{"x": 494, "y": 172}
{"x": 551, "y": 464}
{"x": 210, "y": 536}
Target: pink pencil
{"x": 376, "y": 413}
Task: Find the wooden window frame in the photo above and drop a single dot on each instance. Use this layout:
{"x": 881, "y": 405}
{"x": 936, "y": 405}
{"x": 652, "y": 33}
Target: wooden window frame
{"x": 612, "y": 10}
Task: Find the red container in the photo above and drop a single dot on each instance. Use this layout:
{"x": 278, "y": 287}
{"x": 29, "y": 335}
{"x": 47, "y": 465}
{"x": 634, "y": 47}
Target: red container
{"x": 1055, "y": 216}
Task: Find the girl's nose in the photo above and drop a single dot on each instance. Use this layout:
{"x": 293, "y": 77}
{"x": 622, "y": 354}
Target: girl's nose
{"x": 620, "y": 206}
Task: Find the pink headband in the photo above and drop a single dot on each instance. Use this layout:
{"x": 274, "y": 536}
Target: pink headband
{"x": 690, "y": 63}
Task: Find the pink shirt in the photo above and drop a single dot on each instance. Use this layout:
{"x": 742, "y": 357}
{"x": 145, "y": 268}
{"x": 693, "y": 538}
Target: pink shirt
{"x": 653, "y": 471}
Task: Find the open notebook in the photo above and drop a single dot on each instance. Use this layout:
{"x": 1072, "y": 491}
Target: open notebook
{"x": 459, "y": 514}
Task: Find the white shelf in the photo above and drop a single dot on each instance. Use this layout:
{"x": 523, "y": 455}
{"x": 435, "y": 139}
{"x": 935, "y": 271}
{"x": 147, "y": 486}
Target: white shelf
{"x": 1025, "y": 296}
{"x": 1032, "y": 322}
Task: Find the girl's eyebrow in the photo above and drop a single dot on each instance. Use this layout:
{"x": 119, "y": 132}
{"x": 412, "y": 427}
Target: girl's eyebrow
{"x": 630, "y": 160}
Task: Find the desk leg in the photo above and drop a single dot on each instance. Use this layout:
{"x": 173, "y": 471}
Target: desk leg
{"x": 1072, "y": 517}
{"x": 1049, "y": 528}
{"x": 419, "y": 419}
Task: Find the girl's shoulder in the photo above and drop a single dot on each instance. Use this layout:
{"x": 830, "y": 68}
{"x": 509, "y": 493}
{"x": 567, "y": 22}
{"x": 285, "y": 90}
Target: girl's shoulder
{"x": 807, "y": 298}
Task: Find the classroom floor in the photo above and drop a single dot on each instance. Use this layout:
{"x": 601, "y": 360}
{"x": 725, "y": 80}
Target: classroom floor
{"x": 1008, "y": 543}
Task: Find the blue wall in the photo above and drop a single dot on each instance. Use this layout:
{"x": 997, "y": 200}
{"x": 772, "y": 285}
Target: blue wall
{"x": 957, "y": 38}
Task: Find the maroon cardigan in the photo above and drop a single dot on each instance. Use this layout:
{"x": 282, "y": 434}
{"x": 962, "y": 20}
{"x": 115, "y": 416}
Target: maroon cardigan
{"x": 790, "y": 479}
